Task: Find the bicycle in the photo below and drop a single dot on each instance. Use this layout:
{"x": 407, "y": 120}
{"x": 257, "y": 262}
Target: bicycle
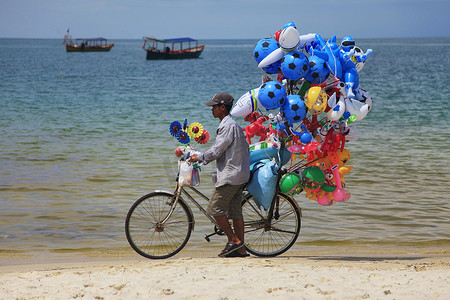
{"x": 158, "y": 225}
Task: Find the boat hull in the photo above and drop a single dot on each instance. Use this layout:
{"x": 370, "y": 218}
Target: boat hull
{"x": 179, "y": 54}
{"x": 75, "y": 48}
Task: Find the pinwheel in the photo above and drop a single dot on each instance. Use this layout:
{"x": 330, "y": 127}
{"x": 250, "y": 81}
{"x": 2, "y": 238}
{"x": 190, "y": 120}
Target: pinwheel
{"x": 175, "y": 128}
{"x": 195, "y": 130}
{"x": 183, "y": 137}
{"x": 203, "y": 138}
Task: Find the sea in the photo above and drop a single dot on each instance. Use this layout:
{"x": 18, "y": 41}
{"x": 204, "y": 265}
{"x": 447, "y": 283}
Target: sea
{"x": 84, "y": 135}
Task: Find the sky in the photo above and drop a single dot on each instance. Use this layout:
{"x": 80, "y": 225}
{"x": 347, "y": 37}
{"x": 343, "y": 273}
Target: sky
{"x": 222, "y": 19}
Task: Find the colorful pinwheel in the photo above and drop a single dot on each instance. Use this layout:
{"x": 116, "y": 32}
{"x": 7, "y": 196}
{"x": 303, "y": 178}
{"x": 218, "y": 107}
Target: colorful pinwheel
{"x": 195, "y": 130}
{"x": 183, "y": 137}
{"x": 175, "y": 128}
{"x": 203, "y": 138}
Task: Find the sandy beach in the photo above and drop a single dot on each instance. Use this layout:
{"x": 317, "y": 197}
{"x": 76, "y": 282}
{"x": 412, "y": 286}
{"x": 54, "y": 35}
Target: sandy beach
{"x": 317, "y": 276}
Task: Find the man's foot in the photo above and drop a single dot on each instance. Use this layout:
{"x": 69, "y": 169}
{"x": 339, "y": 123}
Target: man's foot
{"x": 231, "y": 247}
{"x": 237, "y": 254}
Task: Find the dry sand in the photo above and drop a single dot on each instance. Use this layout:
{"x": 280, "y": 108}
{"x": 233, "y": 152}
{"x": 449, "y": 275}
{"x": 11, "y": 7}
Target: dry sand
{"x": 287, "y": 277}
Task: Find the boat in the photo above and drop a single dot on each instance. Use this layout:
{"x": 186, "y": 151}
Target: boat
{"x": 86, "y": 44}
{"x": 178, "y": 48}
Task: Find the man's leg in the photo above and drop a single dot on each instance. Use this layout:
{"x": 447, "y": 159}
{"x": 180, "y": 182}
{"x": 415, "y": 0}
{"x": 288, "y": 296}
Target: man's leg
{"x": 223, "y": 223}
{"x": 239, "y": 231}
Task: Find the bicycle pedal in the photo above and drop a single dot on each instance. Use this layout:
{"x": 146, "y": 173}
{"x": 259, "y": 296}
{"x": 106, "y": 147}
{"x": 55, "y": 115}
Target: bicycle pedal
{"x": 207, "y": 238}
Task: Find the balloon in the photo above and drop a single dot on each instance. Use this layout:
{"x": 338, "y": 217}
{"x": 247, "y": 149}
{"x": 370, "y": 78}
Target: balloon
{"x": 349, "y": 60}
{"x": 264, "y": 48}
{"x": 290, "y": 183}
{"x": 316, "y": 100}
{"x": 294, "y": 109}
{"x": 324, "y": 50}
{"x": 246, "y": 104}
{"x": 295, "y": 65}
{"x": 256, "y": 127}
{"x": 313, "y": 177}
{"x": 289, "y": 40}
{"x": 340, "y": 194}
{"x": 272, "y": 58}
{"x": 318, "y": 70}
{"x": 325, "y": 199}
{"x": 337, "y": 107}
{"x": 272, "y": 94}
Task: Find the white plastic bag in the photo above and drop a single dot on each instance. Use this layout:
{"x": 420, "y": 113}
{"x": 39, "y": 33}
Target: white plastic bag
{"x": 189, "y": 175}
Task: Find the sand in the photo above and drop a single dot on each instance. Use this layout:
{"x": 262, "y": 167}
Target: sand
{"x": 209, "y": 277}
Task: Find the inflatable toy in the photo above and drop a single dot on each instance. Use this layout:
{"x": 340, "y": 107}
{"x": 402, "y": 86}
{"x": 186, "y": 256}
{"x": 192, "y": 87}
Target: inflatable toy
{"x": 294, "y": 109}
{"x": 272, "y": 94}
{"x": 325, "y": 51}
{"x": 337, "y": 107}
{"x": 316, "y": 100}
{"x": 313, "y": 177}
{"x": 294, "y": 65}
{"x": 340, "y": 194}
{"x": 256, "y": 127}
{"x": 291, "y": 184}
{"x": 289, "y": 40}
{"x": 349, "y": 61}
{"x": 262, "y": 49}
{"x": 318, "y": 70}
{"x": 268, "y": 150}
{"x": 246, "y": 104}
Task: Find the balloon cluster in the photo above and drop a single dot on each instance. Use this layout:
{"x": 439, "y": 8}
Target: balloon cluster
{"x": 317, "y": 92}
{"x": 186, "y": 134}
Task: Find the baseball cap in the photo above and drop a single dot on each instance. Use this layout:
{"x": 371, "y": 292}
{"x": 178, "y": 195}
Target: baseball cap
{"x": 221, "y": 98}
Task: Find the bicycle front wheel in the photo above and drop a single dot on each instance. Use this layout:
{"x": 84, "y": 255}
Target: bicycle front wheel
{"x": 146, "y": 232}
{"x": 264, "y": 237}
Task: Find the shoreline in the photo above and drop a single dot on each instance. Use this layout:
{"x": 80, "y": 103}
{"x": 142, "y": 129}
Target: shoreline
{"x": 209, "y": 277}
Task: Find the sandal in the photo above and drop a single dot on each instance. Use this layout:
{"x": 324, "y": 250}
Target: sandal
{"x": 231, "y": 247}
{"x": 237, "y": 254}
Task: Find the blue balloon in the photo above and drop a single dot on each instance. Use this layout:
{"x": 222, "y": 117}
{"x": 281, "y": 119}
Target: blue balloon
{"x": 295, "y": 65}
{"x": 272, "y": 94}
{"x": 289, "y": 24}
{"x": 318, "y": 72}
{"x": 294, "y": 109}
{"x": 263, "y": 48}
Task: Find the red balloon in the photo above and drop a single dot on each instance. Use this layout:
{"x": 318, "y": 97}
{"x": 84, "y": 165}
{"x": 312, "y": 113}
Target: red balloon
{"x": 276, "y": 36}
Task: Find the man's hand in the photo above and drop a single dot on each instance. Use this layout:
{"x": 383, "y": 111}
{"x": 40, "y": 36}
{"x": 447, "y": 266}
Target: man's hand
{"x": 193, "y": 158}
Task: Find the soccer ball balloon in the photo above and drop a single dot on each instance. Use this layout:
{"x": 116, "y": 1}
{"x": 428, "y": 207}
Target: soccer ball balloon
{"x": 272, "y": 94}
{"x": 294, "y": 109}
{"x": 295, "y": 65}
{"x": 263, "y": 48}
{"x": 318, "y": 72}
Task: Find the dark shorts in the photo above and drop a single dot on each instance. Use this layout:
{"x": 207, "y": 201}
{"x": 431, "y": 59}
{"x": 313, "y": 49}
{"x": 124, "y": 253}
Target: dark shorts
{"x": 226, "y": 201}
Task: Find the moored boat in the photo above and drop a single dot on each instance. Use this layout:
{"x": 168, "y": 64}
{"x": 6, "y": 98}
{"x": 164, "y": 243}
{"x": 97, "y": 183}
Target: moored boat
{"x": 86, "y": 44}
{"x": 178, "y": 48}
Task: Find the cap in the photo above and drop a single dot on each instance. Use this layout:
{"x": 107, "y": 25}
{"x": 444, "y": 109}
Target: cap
{"x": 221, "y": 98}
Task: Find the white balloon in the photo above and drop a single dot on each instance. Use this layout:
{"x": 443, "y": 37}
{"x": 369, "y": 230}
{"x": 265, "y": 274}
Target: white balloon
{"x": 337, "y": 108}
{"x": 276, "y": 55}
{"x": 246, "y": 104}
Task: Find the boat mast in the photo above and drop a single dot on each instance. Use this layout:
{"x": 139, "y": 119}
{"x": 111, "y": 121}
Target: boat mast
{"x": 67, "y": 38}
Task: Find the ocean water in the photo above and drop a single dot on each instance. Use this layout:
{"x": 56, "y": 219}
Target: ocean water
{"x": 84, "y": 135}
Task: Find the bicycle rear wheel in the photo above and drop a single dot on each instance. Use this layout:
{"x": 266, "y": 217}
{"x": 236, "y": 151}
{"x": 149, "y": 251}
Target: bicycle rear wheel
{"x": 264, "y": 238}
{"x": 151, "y": 238}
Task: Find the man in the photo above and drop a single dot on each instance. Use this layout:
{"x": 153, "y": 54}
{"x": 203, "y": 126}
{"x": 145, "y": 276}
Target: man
{"x": 231, "y": 152}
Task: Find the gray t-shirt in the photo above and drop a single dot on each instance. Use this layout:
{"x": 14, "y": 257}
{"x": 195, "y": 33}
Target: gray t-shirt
{"x": 231, "y": 152}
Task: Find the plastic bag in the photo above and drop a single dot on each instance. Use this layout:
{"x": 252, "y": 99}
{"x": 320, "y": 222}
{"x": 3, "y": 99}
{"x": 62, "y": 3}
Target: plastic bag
{"x": 189, "y": 174}
{"x": 262, "y": 184}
